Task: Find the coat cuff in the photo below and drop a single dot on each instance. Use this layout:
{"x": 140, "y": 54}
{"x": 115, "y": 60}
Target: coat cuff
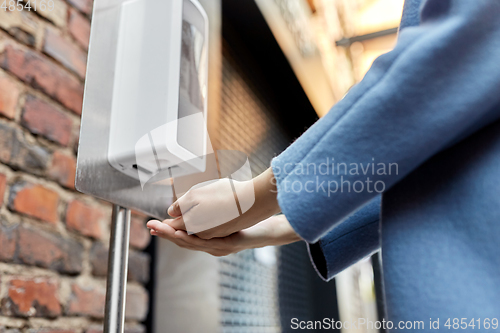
{"x": 331, "y": 258}
{"x": 356, "y": 238}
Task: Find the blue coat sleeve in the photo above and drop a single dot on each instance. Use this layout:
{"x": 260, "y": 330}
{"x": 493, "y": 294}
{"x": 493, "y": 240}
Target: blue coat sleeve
{"x": 354, "y": 239}
{"x": 440, "y": 84}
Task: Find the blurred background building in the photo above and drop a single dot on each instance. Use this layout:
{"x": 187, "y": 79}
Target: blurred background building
{"x": 276, "y": 66}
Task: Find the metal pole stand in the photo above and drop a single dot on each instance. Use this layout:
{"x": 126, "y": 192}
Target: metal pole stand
{"x": 114, "y": 316}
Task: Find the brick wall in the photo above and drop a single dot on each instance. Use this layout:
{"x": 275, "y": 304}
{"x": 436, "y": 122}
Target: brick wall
{"x": 53, "y": 240}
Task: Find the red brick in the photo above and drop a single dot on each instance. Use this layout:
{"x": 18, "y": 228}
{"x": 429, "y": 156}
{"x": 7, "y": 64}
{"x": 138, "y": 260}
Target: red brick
{"x": 16, "y": 151}
{"x": 85, "y": 219}
{"x": 34, "y": 297}
{"x": 79, "y": 28}
{"x": 47, "y": 120}
{"x": 76, "y": 142}
{"x": 9, "y": 96}
{"x": 22, "y": 25}
{"x": 87, "y": 301}
{"x": 35, "y": 201}
{"x": 6, "y": 139}
{"x": 8, "y": 236}
{"x": 40, "y": 248}
{"x": 63, "y": 169}
{"x": 138, "y": 263}
{"x": 3, "y": 185}
{"x": 136, "y": 306}
{"x": 28, "y": 156}
{"x": 43, "y": 74}
{"x": 83, "y": 5}
{"x": 138, "y": 266}
{"x": 139, "y": 233}
{"x": 99, "y": 259}
{"x": 64, "y": 51}
{"x": 58, "y": 15}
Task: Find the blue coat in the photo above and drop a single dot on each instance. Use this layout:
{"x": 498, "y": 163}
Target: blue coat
{"x": 429, "y": 110}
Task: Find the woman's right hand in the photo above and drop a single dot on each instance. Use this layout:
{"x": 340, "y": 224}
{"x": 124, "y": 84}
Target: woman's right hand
{"x": 273, "y": 231}
{"x": 209, "y": 209}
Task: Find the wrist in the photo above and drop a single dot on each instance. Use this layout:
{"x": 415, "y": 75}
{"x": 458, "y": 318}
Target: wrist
{"x": 286, "y": 229}
{"x": 281, "y": 232}
{"x": 266, "y": 193}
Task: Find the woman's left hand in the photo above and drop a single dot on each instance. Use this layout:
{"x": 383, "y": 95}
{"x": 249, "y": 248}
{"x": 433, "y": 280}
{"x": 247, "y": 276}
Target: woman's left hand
{"x": 273, "y": 231}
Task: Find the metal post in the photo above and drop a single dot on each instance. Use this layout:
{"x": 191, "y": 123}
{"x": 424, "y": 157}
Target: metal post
{"x": 114, "y": 316}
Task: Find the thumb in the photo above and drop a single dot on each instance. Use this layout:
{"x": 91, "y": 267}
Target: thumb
{"x": 174, "y": 210}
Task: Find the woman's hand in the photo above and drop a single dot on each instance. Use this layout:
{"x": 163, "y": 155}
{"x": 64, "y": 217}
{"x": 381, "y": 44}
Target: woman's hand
{"x": 274, "y": 231}
{"x": 210, "y": 210}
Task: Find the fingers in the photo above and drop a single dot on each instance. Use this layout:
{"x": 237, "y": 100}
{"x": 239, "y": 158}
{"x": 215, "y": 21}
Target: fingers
{"x": 215, "y": 243}
{"x": 216, "y": 247}
{"x": 164, "y": 231}
{"x": 177, "y": 223}
{"x": 161, "y": 228}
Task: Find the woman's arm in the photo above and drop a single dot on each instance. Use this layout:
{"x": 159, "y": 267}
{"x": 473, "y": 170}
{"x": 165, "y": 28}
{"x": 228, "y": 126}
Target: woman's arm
{"x": 353, "y": 240}
{"x": 439, "y": 85}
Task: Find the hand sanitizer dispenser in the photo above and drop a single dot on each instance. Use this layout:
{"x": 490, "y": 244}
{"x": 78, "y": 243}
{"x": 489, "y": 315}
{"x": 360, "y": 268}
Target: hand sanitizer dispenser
{"x": 159, "y": 102}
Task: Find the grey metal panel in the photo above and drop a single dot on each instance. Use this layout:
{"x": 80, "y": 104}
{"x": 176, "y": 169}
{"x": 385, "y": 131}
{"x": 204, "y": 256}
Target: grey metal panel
{"x": 94, "y": 175}
{"x": 186, "y": 291}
